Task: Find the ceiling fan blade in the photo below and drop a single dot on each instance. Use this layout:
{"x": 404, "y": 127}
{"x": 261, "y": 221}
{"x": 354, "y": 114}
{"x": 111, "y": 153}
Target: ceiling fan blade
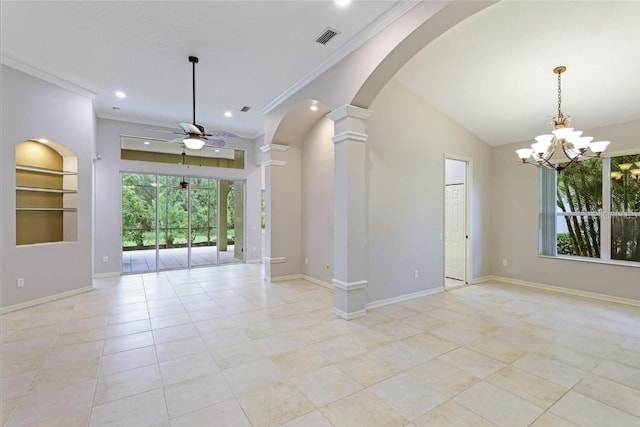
{"x": 161, "y": 131}
{"x": 221, "y": 134}
{"x": 215, "y": 143}
{"x": 188, "y": 128}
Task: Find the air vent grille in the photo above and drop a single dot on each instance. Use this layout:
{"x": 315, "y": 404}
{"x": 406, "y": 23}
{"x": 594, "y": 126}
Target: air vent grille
{"x": 327, "y": 35}
{"x": 245, "y": 109}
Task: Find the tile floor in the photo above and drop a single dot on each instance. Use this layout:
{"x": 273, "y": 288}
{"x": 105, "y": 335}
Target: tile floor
{"x": 221, "y": 347}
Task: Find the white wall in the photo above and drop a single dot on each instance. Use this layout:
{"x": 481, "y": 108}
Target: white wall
{"x": 515, "y": 225}
{"x": 317, "y": 201}
{"x": 108, "y": 189}
{"x": 408, "y": 139}
{"x": 33, "y": 108}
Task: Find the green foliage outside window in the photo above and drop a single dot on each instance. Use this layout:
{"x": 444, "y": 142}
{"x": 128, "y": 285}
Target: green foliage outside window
{"x": 579, "y": 190}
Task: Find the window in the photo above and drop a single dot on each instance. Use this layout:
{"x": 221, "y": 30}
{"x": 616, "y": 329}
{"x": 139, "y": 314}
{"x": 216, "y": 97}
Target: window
{"x": 625, "y": 208}
{"x": 160, "y": 151}
{"x": 592, "y": 210}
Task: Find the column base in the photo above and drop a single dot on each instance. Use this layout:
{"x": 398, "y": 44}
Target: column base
{"x": 349, "y": 316}
{"x": 349, "y": 299}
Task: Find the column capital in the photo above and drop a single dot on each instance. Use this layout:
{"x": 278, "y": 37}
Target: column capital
{"x": 274, "y": 147}
{"x": 350, "y": 136}
{"x": 349, "y": 111}
{"x": 274, "y": 163}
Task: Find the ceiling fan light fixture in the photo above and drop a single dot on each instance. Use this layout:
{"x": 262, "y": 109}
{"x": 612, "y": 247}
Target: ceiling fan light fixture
{"x": 193, "y": 143}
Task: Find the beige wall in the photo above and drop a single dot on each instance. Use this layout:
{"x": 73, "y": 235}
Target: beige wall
{"x": 33, "y": 108}
{"x": 408, "y": 139}
{"x": 317, "y": 201}
{"x": 514, "y": 225}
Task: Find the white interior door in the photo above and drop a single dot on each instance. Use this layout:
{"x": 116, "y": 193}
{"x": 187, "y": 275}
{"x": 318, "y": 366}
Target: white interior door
{"x": 454, "y": 232}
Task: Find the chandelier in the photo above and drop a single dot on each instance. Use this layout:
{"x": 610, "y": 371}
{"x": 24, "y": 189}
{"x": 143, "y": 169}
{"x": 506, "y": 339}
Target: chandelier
{"x": 562, "y": 137}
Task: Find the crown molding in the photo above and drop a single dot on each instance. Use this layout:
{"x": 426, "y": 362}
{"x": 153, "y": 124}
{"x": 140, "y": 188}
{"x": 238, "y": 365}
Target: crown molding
{"x": 47, "y": 77}
{"x": 366, "y": 34}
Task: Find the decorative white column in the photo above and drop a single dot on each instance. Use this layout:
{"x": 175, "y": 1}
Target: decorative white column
{"x": 350, "y": 219}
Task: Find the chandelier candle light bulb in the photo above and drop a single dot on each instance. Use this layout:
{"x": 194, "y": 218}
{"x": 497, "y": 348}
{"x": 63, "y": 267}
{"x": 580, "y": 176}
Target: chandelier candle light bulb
{"x": 573, "y": 144}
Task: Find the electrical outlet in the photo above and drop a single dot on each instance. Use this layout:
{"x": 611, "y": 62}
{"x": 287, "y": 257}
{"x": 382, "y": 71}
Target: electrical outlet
{"x": 306, "y": 261}
{"x": 505, "y": 263}
{"x": 105, "y": 259}
{"x": 415, "y": 274}
{"x": 20, "y": 282}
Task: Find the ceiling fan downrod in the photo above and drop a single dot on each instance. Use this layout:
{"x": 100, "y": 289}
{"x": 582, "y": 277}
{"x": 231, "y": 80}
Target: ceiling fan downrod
{"x": 194, "y": 61}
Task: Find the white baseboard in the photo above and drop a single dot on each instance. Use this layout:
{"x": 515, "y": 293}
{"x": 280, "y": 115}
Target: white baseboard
{"x": 284, "y": 278}
{"x": 393, "y": 300}
{"x": 483, "y": 279}
{"x": 317, "y": 282}
{"x": 349, "y": 316}
{"x": 105, "y": 275}
{"x": 569, "y": 291}
{"x": 254, "y": 261}
{"x": 43, "y": 300}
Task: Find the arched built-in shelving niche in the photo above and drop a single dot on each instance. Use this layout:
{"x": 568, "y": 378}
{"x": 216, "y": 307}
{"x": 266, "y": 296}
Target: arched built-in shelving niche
{"x": 46, "y": 193}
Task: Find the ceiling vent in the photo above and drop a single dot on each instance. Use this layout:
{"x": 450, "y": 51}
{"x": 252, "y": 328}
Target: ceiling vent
{"x": 245, "y": 109}
{"x": 327, "y": 35}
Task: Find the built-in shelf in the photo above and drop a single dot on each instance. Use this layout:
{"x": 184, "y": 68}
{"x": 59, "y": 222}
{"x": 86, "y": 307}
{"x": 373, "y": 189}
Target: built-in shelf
{"x": 46, "y": 190}
{"x": 48, "y": 209}
{"x": 44, "y": 170}
{"x": 46, "y": 194}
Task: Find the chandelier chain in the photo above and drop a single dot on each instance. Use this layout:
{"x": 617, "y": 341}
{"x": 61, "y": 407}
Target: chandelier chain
{"x": 560, "y": 115}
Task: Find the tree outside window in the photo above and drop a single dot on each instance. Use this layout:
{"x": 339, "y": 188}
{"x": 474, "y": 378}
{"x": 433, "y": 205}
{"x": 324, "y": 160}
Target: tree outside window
{"x": 594, "y": 196}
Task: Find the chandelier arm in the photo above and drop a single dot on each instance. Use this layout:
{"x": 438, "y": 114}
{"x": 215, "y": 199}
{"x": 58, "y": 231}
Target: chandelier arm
{"x": 548, "y": 164}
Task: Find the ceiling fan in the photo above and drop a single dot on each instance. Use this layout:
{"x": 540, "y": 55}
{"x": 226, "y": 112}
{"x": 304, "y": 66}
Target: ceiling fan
{"x": 195, "y": 137}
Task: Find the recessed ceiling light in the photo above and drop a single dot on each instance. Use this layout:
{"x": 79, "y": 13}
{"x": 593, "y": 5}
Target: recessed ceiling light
{"x": 217, "y": 150}
{"x": 147, "y": 143}
{"x": 120, "y": 94}
{"x": 342, "y": 3}
{"x": 314, "y": 108}
{"x": 228, "y": 114}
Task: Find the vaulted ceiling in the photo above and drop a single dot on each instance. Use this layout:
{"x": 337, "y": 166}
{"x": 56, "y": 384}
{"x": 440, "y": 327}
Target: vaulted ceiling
{"x": 492, "y": 73}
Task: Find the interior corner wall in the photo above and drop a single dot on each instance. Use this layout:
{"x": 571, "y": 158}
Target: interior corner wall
{"x": 514, "y": 225}
{"x": 317, "y": 201}
{"x": 108, "y": 189}
{"x": 34, "y": 108}
{"x": 284, "y": 214}
{"x": 407, "y": 142}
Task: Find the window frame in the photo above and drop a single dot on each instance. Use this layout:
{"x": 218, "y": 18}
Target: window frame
{"x": 548, "y": 215}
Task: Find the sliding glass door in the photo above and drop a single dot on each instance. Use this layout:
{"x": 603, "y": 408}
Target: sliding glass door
{"x": 204, "y": 221}
{"x": 172, "y": 222}
{"x": 232, "y": 224}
